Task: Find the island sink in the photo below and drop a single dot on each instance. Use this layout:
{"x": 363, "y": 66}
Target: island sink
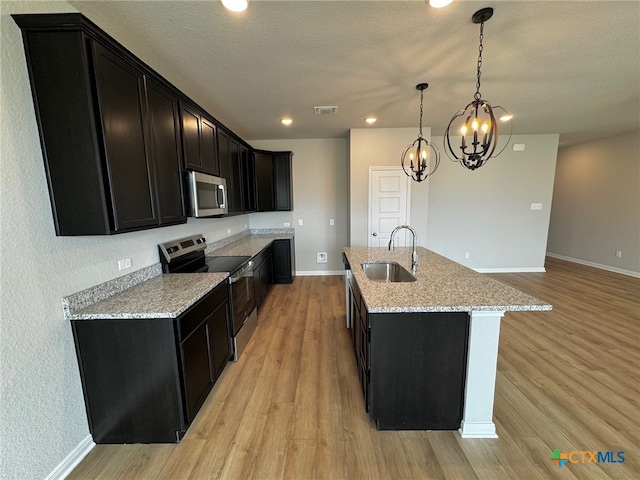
{"x": 387, "y": 272}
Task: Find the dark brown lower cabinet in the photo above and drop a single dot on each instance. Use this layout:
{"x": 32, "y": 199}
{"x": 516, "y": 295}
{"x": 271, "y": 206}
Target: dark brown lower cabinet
{"x": 411, "y": 366}
{"x": 144, "y": 380}
{"x": 284, "y": 260}
{"x": 263, "y": 275}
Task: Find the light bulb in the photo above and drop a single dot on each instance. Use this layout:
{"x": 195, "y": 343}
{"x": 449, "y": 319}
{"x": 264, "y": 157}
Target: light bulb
{"x": 235, "y": 5}
{"x": 439, "y": 3}
{"x": 463, "y": 130}
{"x": 474, "y": 125}
{"x": 485, "y": 127}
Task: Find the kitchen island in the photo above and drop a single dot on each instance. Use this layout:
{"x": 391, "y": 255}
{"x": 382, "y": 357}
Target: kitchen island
{"x": 427, "y": 349}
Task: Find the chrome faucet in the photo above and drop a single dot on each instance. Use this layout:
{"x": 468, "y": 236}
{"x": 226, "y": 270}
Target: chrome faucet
{"x": 414, "y": 254}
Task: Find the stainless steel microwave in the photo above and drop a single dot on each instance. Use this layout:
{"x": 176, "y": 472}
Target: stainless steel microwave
{"x": 208, "y": 195}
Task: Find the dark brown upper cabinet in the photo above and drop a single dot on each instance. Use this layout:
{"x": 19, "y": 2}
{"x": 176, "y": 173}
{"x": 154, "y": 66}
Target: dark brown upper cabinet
{"x": 274, "y": 186}
{"x": 108, "y": 127}
{"x": 249, "y": 178}
{"x": 164, "y": 139}
{"x": 231, "y": 170}
{"x": 199, "y": 141}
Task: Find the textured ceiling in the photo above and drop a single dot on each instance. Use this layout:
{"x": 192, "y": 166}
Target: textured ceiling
{"x": 560, "y": 67}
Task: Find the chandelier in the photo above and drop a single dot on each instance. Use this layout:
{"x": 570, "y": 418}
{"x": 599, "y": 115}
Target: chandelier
{"x": 421, "y": 158}
{"x": 475, "y": 130}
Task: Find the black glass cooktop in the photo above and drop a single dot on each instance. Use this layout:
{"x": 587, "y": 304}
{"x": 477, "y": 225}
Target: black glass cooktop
{"x": 225, "y": 264}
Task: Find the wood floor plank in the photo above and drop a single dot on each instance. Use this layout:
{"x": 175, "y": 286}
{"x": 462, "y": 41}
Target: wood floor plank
{"x": 272, "y": 453}
{"x": 292, "y": 407}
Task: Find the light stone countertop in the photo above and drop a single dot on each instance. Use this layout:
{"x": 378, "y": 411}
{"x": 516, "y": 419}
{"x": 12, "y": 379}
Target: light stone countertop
{"x": 163, "y": 296}
{"x": 250, "y": 246}
{"x": 441, "y": 285}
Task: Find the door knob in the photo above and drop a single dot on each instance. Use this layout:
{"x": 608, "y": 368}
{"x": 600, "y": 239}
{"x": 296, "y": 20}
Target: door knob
{"x": 375, "y": 234}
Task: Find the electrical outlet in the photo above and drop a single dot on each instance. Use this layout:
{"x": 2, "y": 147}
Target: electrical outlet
{"x": 466, "y": 255}
{"x": 228, "y": 231}
{"x": 300, "y": 222}
{"x": 619, "y": 253}
{"x": 321, "y": 257}
{"x": 287, "y": 224}
{"x": 332, "y": 222}
{"x": 124, "y": 264}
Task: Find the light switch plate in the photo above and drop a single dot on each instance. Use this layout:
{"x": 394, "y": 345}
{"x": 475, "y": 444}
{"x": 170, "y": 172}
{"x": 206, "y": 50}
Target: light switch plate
{"x": 536, "y": 206}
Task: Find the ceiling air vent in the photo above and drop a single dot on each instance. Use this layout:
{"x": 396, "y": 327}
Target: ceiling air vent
{"x": 325, "y": 110}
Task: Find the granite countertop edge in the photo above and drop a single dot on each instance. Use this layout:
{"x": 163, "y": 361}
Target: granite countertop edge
{"x": 130, "y": 297}
{"x": 441, "y": 285}
{"x": 164, "y": 296}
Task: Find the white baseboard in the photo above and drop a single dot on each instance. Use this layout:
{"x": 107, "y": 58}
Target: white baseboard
{"x": 72, "y": 460}
{"x": 511, "y": 270}
{"x": 621, "y": 271}
{"x": 478, "y": 430}
{"x": 313, "y": 273}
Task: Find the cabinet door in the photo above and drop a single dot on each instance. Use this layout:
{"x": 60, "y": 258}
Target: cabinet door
{"x": 120, "y": 95}
{"x": 197, "y": 368}
{"x": 164, "y": 140}
{"x": 236, "y": 203}
{"x": 209, "y": 150}
{"x": 220, "y": 338}
{"x": 264, "y": 181}
{"x": 283, "y": 184}
{"x": 228, "y": 155}
{"x": 223, "y": 159}
{"x": 190, "y": 137}
{"x": 249, "y": 179}
{"x": 283, "y": 270}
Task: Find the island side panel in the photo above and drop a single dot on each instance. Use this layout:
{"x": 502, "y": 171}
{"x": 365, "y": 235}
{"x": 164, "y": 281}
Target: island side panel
{"x": 418, "y": 367}
{"x": 482, "y": 360}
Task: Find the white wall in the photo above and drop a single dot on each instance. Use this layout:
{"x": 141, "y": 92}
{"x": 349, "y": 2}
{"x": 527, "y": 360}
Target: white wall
{"x": 381, "y": 147}
{"x": 320, "y": 169}
{"x": 42, "y": 417}
{"x": 487, "y": 212}
{"x": 596, "y": 203}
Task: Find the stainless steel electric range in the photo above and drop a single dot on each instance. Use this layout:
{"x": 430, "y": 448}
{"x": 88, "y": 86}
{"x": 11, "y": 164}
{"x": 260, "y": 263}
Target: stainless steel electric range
{"x": 187, "y": 255}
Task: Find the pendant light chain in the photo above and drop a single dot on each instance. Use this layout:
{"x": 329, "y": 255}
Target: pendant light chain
{"x": 477, "y": 95}
{"x": 421, "y": 97}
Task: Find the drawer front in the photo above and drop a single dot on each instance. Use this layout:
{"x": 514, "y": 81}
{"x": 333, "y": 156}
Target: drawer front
{"x": 190, "y": 320}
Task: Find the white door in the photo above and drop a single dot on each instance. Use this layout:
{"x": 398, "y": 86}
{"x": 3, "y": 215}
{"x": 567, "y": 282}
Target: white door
{"x": 389, "y": 205}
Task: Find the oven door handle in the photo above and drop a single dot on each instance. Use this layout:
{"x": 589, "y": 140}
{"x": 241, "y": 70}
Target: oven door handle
{"x": 241, "y": 273}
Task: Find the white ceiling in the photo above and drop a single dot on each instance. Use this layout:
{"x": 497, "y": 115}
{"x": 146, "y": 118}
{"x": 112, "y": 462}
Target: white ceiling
{"x": 568, "y": 67}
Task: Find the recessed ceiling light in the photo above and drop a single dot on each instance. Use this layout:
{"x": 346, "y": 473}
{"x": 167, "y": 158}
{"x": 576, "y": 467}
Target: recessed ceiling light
{"x": 506, "y": 118}
{"x": 439, "y": 3}
{"x": 370, "y": 120}
{"x": 286, "y": 121}
{"x": 235, "y": 5}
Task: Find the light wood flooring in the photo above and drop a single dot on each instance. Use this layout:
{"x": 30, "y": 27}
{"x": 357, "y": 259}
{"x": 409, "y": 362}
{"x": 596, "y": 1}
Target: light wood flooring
{"x": 291, "y": 408}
